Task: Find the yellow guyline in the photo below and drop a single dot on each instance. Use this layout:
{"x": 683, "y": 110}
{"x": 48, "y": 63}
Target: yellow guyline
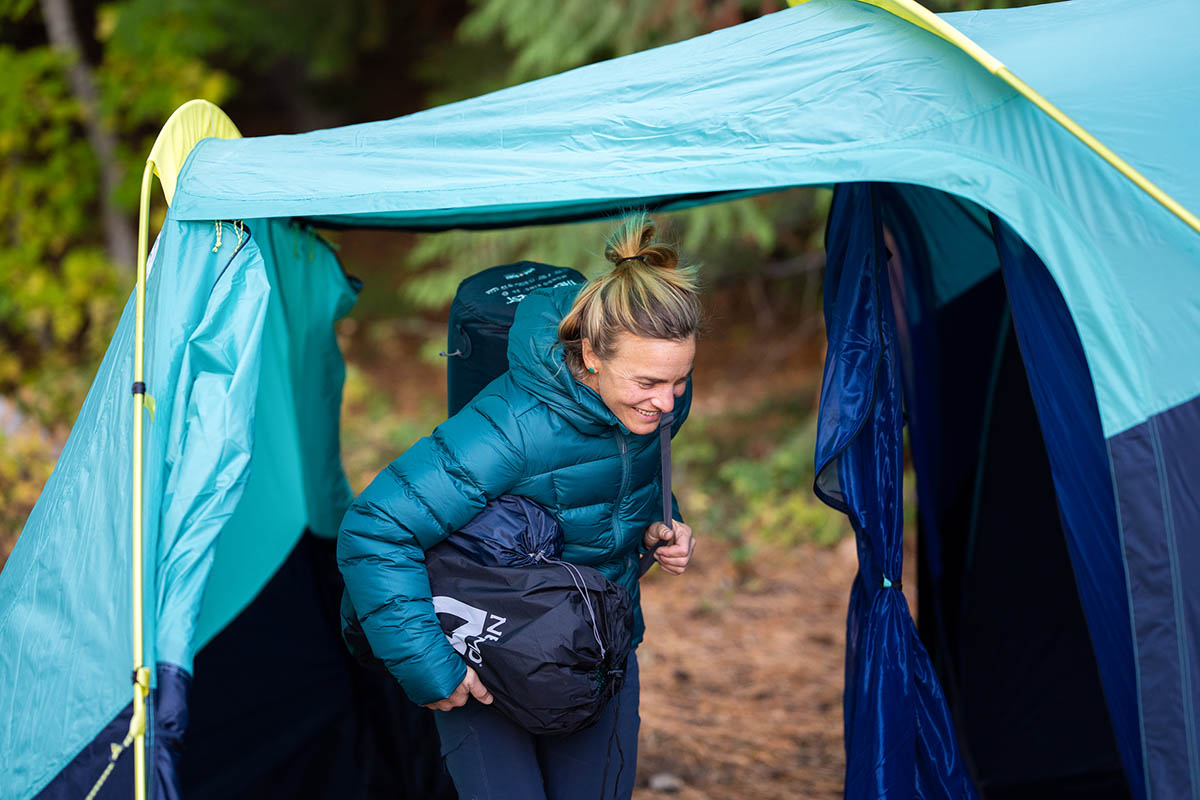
{"x": 918, "y": 15}
{"x": 191, "y": 122}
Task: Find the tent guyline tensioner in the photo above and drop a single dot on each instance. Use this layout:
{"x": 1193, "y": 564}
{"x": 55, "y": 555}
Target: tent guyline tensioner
{"x": 137, "y": 729}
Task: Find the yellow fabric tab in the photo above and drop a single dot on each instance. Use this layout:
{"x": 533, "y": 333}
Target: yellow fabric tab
{"x": 191, "y": 122}
{"x": 148, "y": 401}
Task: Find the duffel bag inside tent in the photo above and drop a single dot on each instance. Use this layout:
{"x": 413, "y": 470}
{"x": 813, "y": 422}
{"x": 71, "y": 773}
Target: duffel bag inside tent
{"x": 1013, "y": 272}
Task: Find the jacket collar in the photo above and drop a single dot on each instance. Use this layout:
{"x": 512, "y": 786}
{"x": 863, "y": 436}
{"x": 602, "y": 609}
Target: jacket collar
{"x": 538, "y": 365}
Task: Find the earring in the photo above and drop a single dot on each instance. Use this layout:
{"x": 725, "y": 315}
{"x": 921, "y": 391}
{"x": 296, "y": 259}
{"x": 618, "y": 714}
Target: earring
{"x": 592, "y": 370}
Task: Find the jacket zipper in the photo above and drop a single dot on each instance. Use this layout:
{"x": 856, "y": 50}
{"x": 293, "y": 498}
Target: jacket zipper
{"x": 616, "y": 526}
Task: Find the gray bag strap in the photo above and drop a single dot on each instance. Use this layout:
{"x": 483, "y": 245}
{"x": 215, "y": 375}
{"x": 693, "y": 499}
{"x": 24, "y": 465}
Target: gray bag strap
{"x": 664, "y": 447}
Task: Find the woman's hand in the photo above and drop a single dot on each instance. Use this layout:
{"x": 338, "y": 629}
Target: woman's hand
{"x": 470, "y": 687}
{"x": 677, "y": 548}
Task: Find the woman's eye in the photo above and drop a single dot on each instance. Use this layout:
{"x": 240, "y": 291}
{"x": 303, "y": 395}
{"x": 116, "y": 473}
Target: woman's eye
{"x": 645, "y": 385}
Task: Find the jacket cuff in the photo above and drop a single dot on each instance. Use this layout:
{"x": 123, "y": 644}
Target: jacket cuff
{"x": 437, "y": 682}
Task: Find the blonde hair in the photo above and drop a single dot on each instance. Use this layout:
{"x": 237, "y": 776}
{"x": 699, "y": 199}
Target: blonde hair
{"x": 647, "y": 293}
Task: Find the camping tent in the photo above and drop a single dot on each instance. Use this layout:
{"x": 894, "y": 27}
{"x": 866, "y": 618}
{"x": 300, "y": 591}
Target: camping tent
{"x": 1029, "y": 304}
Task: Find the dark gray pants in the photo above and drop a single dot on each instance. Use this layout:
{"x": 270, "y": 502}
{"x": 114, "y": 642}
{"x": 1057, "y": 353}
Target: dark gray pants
{"x": 490, "y": 758}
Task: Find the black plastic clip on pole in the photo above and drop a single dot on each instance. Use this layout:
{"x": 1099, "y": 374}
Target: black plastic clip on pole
{"x": 664, "y": 446}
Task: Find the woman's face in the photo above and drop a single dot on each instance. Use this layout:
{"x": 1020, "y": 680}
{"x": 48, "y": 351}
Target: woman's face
{"x": 642, "y": 379}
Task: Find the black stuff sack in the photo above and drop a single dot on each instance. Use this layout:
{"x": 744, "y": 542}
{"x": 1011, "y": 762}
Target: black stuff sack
{"x": 549, "y": 639}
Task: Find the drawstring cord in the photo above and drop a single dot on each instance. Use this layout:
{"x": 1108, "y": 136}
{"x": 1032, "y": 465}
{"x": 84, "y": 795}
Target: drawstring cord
{"x": 581, "y": 585}
{"x": 613, "y": 737}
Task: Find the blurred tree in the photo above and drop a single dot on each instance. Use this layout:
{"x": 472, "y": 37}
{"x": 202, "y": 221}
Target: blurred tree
{"x": 84, "y": 89}
{"x": 547, "y": 38}
{"x": 60, "y": 28}
{"x": 745, "y": 243}
{"x": 301, "y": 64}
{"x": 72, "y": 134}
{"x": 85, "y": 86}
{"x": 734, "y": 240}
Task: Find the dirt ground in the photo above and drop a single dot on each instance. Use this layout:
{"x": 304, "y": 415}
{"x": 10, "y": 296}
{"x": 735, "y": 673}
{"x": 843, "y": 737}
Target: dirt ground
{"x": 742, "y": 687}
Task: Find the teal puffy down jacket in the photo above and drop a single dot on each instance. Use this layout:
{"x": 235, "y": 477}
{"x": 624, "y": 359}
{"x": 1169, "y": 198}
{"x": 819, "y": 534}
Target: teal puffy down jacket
{"x": 535, "y": 432}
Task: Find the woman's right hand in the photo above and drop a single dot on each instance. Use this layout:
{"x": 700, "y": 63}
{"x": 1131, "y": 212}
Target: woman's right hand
{"x": 471, "y": 686}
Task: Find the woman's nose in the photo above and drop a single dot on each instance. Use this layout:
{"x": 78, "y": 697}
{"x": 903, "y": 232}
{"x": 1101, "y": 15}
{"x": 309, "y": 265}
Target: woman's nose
{"x": 664, "y": 400}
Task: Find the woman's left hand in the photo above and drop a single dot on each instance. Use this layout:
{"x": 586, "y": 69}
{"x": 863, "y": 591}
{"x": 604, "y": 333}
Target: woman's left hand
{"x": 678, "y": 545}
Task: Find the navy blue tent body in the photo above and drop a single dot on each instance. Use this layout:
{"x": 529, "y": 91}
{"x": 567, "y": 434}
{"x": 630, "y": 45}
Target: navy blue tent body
{"x": 999, "y": 283}
{"x": 1013, "y": 490}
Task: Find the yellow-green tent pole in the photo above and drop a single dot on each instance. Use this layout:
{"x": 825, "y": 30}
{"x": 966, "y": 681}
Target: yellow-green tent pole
{"x": 916, "y": 14}
{"x": 141, "y": 684}
{"x": 191, "y": 122}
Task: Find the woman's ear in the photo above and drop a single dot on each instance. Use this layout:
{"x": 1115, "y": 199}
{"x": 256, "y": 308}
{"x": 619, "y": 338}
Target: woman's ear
{"x": 590, "y": 362}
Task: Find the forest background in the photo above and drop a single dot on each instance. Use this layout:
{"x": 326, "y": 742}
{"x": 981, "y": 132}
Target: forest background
{"x": 85, "y": 86}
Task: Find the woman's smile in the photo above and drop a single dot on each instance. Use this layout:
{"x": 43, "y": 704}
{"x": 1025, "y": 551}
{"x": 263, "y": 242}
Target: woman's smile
{"x": 642, "y": 379}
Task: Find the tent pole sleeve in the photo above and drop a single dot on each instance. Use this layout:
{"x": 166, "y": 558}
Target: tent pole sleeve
{"x": 141, "y": 675}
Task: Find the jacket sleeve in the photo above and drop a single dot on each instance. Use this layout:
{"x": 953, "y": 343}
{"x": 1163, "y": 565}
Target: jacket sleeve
{"x": 433, "y": 489}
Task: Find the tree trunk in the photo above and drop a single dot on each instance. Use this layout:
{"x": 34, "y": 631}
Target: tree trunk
{"x": 60, "y": 27}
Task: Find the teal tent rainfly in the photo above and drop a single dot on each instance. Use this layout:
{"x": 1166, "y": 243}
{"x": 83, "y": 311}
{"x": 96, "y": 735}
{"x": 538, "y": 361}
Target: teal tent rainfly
{"x": 1013, "y": 274}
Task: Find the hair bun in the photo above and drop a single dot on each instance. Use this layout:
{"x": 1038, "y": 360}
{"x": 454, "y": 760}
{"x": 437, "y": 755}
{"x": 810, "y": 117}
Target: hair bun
{"x": 634, "y": 241}
{"x": 648, "y": 293}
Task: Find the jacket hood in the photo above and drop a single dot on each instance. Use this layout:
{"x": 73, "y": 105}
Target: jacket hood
{"x": 538, "y": 365}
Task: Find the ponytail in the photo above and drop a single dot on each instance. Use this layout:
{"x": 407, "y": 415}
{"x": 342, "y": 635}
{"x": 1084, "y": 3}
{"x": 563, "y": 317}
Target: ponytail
{"x": 647, "y": 293}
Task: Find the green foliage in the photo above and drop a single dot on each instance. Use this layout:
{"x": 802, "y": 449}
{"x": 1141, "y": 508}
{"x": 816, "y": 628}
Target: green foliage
{"x": 547, "y": 38}
{"x": 326, "y": 37}
{"x": 26, "y": 460}
{"x": 372, "y": 432}
{"x": 773, "y": 495}
{"x": 60, "y": 296}
{"x": 730, "y": 239}
{"x": 747, "y": 477}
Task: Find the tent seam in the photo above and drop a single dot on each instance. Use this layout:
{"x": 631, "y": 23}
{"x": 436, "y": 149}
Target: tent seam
{"x": 1137, "y": 657}
{"x": 1181, "y": 632}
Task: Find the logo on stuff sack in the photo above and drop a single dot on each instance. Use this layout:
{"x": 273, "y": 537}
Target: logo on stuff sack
{"x": 474, "y": 628}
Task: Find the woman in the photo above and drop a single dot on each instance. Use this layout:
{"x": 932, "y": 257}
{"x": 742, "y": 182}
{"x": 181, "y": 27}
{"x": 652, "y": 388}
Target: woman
{"x": 571, "y": 426}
